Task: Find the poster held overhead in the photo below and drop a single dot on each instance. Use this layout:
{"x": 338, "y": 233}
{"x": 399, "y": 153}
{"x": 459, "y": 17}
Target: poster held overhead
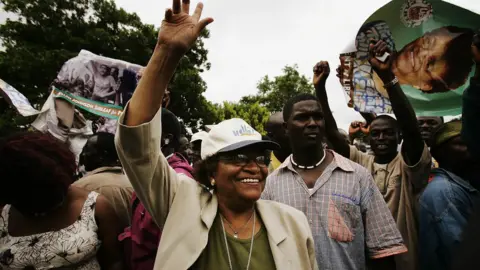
{"x": 430, "y": 43}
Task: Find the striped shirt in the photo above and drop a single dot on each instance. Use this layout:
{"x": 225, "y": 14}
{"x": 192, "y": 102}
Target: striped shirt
{"x": 348, "y": 215}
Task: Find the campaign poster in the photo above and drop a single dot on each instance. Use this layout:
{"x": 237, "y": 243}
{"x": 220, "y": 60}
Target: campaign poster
{"x": 431, "y": 56}
{"x": 97, "y": 84}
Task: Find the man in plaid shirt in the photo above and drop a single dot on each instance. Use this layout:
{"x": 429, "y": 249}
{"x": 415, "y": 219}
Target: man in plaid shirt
{"x": 348, "y": 216}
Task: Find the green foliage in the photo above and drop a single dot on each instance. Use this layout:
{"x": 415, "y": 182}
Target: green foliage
{"x": 254, "y": 114}
{"x": 49, "y": 32}
{"x": 271, "y": 97}
{"x": 273, "y": 94}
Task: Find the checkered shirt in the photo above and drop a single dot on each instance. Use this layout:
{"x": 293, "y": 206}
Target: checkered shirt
{"x": 347, "y": 213}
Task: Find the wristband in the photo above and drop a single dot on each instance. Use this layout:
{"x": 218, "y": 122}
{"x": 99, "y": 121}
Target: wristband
{"x": 392, "y": 83}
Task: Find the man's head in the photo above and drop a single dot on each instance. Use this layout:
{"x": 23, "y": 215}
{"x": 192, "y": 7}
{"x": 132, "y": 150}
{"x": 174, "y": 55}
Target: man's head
{"x": 103, "y": 70}
{"x": 449, "y": 149}
{"x": 171, "y": 130}
{"x": 384, "y": 136}
{"x": 427, "y": 125}
{"x": 304, "y": 122}
{"x": 276, "y": 132}
{"x": 438, "y": 61}
{"x": 185, "y": 148}
{"x": 99, "y": 151}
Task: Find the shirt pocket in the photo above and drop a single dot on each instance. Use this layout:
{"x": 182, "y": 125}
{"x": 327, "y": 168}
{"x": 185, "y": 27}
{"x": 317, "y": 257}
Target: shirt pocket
{"x": 343, "y": 220}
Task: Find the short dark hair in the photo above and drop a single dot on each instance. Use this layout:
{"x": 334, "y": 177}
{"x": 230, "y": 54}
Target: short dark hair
{"x": 171, "y": 125}
{"x": 203, "y": 170}
{"x": 106, "y": 145}
{"x": 387, "y": 118}
{"x": 459, "y": 59}
{"x": 288, "y": 108}
{"x": 36, "y": 170}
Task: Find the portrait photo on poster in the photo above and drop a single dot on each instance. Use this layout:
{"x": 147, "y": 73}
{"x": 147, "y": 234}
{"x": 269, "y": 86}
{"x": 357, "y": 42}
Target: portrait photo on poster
{"x": 98, "y": 78}
{"x": 429, "y": 47}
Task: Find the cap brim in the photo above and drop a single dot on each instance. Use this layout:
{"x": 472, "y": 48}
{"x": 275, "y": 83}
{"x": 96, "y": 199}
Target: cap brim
{"x": 264, "y": 145}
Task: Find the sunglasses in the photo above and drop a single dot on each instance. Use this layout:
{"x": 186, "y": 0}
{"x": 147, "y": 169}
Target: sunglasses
{"x": 242, "y": 160}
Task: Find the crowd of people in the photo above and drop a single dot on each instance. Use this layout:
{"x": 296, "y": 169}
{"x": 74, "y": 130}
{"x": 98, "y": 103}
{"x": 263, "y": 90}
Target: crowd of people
{"x": 304, "y": 196}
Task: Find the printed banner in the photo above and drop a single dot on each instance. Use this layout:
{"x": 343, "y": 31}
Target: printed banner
{"x": 97, "y": 84}
{"x": 17, "y": 100}
{"x": 430, "y": 42}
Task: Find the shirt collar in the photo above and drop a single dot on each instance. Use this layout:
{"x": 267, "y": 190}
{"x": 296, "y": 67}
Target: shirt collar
{"x": 338, "y": 161}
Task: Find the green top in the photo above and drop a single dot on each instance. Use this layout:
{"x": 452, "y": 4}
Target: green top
{"x": 215, "y": 257}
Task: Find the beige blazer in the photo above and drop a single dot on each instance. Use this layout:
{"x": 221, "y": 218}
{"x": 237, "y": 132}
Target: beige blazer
{"x": 185, "y": 210}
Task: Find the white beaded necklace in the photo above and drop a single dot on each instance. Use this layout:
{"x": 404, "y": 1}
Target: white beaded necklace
{"x": 309, "y": 167}
{"x": 251, "y": 243}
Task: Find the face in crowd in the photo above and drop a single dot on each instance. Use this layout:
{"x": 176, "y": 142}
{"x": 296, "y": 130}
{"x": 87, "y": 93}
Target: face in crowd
{"x": 428, "y": 125}
{"x": 276, "y": 132}
{"x": 384, "y": 136}
{"x": 240, "y": 175}
{"x": 305, "y": 124}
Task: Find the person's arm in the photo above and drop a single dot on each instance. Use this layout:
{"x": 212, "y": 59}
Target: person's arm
{"x": 382, "y": 238}
{"x": 428, "y": 239}
{"x": 471, "y": 110}
{"x": 369, "y": 117}
{"x": 178, "y": 33}
{"x": 139, "y": 133}
{"x": 413, "y": 144}
{"x": 110, "y": 254}
{"x": 336, "y": 139}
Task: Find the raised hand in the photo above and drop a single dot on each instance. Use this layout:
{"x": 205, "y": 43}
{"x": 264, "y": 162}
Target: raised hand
{"x": 320, "y": 73}
{"x": 383, "y": 69}
{"x": 179, "y": 30}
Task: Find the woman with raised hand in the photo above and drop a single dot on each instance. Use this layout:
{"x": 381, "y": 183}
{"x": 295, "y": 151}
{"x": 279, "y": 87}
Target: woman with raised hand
{"x": 224, "y": 226}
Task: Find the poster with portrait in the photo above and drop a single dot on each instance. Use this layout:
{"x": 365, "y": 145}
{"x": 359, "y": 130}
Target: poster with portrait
{"x": 97, "y": 84}
{"x": 430, "y": 41}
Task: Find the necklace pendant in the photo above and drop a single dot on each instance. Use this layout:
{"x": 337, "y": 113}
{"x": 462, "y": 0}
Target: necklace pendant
{"x": 235, "y": 235}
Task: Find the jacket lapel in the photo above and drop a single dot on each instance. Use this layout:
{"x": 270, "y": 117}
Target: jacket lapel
{"x": 209, "y": 209}
{"x": 276, "y": 235}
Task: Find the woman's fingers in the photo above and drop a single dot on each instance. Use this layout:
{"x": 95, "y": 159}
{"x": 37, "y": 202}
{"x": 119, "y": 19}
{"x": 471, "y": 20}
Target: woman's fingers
{"x": 168, "y": 15}
{"x": 176, "y": 7}
{"x": 198, "y": 12}
{"x": 186, "y": 6}
{"x": 202, "y": 24}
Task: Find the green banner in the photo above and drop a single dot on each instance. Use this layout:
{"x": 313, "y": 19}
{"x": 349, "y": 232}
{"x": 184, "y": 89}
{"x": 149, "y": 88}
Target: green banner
{"x": 431, "y": 56}
{"x": 98, "y": 108}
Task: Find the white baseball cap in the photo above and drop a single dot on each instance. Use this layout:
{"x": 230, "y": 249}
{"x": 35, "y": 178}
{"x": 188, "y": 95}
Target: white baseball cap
{"x": 199, "y": 136}
{"x": 231, "y": 135}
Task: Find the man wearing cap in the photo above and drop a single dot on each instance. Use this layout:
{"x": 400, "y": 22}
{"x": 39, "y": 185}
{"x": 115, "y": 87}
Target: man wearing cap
{"x": 448, "y": 200}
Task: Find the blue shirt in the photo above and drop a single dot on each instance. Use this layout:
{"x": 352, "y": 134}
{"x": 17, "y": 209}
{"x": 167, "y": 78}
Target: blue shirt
{"x": 445, "y": 207}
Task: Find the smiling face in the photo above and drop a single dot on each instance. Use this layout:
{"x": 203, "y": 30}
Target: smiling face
{"x": 424, "y": 62}
{"x": 306, "y": 125}
{"x": 384, "y": 137}
{"x": 427, "y": 126}
{"x": 240, "y": 175}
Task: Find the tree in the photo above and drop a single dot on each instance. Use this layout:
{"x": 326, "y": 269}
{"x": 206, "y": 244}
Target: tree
{"x": 254, "y": 114}
{"x": 273, "y": 94}
{"x": 271, "y": 97}
{"x": 49, "y": 32}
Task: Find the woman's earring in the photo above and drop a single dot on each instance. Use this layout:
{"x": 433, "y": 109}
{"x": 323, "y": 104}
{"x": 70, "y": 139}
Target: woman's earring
{"x": 212, "y": 182}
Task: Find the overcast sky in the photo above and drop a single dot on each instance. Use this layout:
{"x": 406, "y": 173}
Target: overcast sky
{"x": 252, "y": 38}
